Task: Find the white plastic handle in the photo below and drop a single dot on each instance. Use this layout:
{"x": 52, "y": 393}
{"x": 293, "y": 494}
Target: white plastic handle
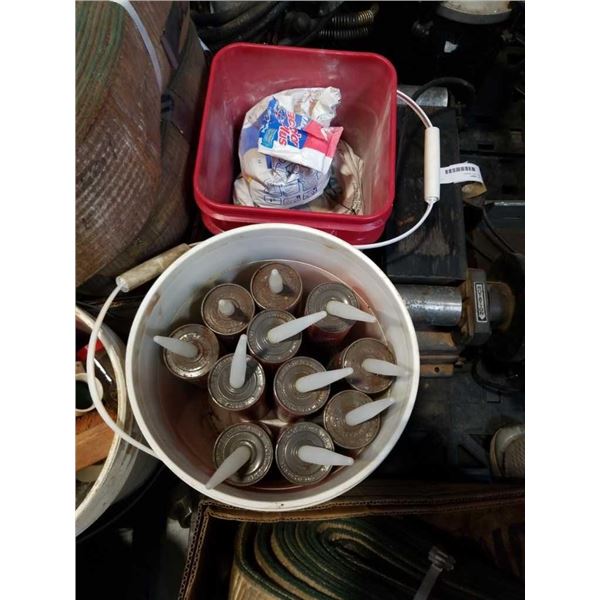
{"x": 176, "y": 346}
{"x": 291, "y": 328}
{"x": 321, "y": 456}
{"x": 367, "y": 411}
{"x": 275, "y": 282}
{"x": 225, "y": 307}
{"x": 231, "y": 465}
{"x": 382, "y": 367}
{"x": 316, "y": 381}
{"x": 237, "y": 374}
{"x": 90, "y": 368}
{"x": 345, "y": 311}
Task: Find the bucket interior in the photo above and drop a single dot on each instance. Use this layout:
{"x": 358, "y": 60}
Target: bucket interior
{"x": 175, "y": 416}
{"x": 243, "y": 74}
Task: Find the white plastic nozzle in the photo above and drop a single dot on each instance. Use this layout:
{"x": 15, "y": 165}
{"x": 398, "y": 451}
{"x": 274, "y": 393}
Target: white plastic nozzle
{"x": 275, "y": 282}
{"x": 382, "y": 367}
{"x": 291, "y": 328}
{"x": 230, "y": 466}
{"x": 431, "y": 176}
{"x": 345, "y": 311}
{"x": 316, "y": 381}
{"x": 321, "y": 456}
{"x": 176, "y": 346}
{"x": 367, "y": 411}
{"x": 225, "y": 307}
{"x": 237, "y": 374}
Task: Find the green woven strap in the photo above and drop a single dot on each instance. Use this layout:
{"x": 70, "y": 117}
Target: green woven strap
{"x": 356, "y": 559}
{"x": 99, "y": 33}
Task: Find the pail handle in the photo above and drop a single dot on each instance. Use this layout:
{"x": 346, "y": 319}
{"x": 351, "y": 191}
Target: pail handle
{"x": 126, "y": 282}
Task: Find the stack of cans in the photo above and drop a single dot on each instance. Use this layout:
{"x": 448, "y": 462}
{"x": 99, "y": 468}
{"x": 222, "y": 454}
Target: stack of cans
{"x": 267, "y": 405}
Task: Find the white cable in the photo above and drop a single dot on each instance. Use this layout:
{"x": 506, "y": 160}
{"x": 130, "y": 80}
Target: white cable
{"x": 432, "y": 172}
{"x": 413, "y": 104}
{"x": 91, "y": 371}
{"x": 399, "y": 237}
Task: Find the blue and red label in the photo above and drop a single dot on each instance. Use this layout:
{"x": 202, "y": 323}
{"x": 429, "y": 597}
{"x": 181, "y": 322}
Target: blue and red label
{"x": 296, "y": 138}
{"x": 282, "y": 126}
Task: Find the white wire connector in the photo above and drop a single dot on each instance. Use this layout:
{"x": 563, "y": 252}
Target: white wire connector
{"x": 431, "y": 177}
{"x": 431, "y": 164}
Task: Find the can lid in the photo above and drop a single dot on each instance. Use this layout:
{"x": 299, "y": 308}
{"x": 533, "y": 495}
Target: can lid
{"x": 257, "y": 440}
{"x": 286, "y": 452}
{"x": 230, "y": 398}
{"x": 221, "y": 323}
{"x": 354, "y": 355}
{"x": 259, "y": 344}
{"x": 208, "y": 352}
{"x": 334, "y": 421}
{"x": 284, "y": 386}
{"x": 322, "y": 294}
{"x": 287, "y": 298}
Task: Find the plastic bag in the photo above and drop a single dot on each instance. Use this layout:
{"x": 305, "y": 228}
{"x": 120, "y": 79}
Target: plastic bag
{"x": 286, "y": 148}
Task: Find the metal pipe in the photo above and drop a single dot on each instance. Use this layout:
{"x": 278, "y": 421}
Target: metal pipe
{"x": 432, "y": 304}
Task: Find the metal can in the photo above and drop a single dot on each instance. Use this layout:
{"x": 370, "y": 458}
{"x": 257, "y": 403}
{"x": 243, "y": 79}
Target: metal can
{"x": 288, "y": 299}
{"x": 233, "y": 405}
{"x": 334, "y": 421}
{"x": 194, "y": 370}
{"x": 331, "y": 330}
{"x": 255, "y": 437}
{"x": 228, "y": 327}
{"x": 290, "y": 440}
{"x": 269, "y": 354}
{"x": 292, "y": 404}
{"x": 354, "y": 355}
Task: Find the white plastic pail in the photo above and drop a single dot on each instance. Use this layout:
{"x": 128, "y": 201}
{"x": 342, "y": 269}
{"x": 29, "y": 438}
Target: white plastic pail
{"x": 172, "y": 415}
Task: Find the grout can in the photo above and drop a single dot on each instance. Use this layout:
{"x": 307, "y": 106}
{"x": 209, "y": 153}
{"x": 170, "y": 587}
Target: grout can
{"x": 291, "y": 438}
{"x": 354, "y": 355}
{"x": 347, "y": 436}
{"x": 255, "y": 437}
{"x": 228, "y": 327}
{"x": 231, "y": 404}
{"x": 288, "y": 299}
{"x": 269, "y": 354}
{"x": 290, "y": 403}
{"x": 193, "y": 370}
{"x": 331, "y": 330}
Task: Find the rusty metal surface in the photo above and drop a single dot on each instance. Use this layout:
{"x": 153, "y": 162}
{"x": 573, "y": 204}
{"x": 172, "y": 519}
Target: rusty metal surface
{"x": 438, "y": 352}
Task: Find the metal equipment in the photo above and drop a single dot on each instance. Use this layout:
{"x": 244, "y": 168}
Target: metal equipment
{"x": 478, "y": 312}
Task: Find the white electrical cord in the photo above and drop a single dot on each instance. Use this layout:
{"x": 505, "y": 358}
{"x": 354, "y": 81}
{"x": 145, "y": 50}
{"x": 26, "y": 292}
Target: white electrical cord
{"x": 431, "y": 178}
{"x": 401, "y": 236}
{"x": 413, "y": 104}
{"x": 91, "y": 373}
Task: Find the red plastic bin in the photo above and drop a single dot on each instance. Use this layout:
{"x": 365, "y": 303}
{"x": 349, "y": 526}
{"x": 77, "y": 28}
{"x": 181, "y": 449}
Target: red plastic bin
{"x": 241, "y": 75}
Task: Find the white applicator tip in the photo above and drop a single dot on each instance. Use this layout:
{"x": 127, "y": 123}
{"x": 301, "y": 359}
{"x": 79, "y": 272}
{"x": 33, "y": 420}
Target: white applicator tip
{"x": 275, "y": 282}
{"x": 176, "y": 346}
{"x": 225, "y": 307}
{"x": 382, "y": 367}
{"x": 231, "y": 465}
{"x": 367, "y": 411}
{"x": 291, "y": 328}
{"x": 321, "y": 456}
{"x": 316, "y": 381}
{"x": 346, "y": 311}
{"x": 237, "y": 374}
